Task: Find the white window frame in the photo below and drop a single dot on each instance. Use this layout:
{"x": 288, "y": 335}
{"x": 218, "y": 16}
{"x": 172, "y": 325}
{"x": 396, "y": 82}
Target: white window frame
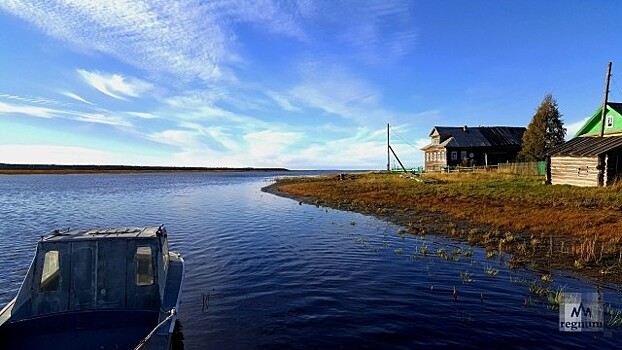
{"x": 609, "y": 121}
{"x": 463, "y": 155}
{"x": 454, "y": 155}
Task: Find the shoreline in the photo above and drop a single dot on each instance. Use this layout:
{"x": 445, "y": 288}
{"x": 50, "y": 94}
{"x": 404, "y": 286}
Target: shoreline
{"x": 597, "y": 258}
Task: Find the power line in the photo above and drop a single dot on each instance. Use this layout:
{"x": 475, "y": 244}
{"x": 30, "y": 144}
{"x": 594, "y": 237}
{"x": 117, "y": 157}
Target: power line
{"x": 616, "y": 85}
{"x": 401, "y": 138}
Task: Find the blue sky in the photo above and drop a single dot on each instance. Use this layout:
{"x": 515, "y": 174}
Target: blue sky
{"x": 298, "y": 84}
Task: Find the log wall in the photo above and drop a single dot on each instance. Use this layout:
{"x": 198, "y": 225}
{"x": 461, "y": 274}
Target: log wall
{"x": 577, "y": 171}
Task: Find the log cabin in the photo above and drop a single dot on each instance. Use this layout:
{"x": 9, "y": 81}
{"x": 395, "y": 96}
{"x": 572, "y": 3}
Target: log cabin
{"x": 590, "y": 159}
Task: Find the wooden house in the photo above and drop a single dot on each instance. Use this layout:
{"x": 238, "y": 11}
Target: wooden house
{"x": 590, "y": 159}
{"x": 469, "y": 146}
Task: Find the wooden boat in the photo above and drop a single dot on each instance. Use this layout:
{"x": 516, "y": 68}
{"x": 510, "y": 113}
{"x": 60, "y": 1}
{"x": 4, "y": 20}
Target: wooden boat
{"x": 117, "y": 288}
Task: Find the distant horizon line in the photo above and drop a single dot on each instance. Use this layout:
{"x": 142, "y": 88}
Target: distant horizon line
{"x": 25, "y": 168}
{"x": 12, "y": 166}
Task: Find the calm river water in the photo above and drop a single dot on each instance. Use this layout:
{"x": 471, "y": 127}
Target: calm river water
{"x": 265, "y": 272}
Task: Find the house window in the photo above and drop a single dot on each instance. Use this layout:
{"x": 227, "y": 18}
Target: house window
{"x": 463, "y": 155}
{"x": 610, "y": 121}
{"x": 435, "y": 140}
{"x": 144, "y": 266}
{"x": 50, "y": 277}
{"x": 454, "y": 155}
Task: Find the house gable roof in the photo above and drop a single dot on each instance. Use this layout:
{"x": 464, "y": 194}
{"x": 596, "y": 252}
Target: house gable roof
{"x": 592, "y": 126}
{"x": 587, "y": 146}
{"x": 458, "y": 137}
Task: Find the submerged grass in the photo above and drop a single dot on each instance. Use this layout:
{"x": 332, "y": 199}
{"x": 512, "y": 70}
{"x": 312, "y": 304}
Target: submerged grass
{"x": 553, "y": 226}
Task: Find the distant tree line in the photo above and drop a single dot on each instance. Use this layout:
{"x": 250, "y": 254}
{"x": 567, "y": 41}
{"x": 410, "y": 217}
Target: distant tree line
{"x": 6, "y": 166}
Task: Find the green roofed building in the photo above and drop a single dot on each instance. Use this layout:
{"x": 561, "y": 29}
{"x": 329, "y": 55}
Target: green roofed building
{"x": 594, "y": 156}
{"x": 613, "y": 122}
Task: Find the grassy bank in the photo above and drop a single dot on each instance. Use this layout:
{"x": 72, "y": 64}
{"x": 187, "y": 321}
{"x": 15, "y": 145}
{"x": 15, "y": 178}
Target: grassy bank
{"x": 542, "y": 226}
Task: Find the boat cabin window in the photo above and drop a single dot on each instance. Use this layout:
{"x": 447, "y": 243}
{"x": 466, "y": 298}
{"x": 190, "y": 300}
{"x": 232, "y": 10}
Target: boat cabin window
{"x": 144, "y": 266}
{"x": 50, "y": 277}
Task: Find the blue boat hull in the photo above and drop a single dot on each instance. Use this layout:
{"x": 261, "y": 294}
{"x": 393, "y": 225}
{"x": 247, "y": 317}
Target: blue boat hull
{"x": 98, "y": 329}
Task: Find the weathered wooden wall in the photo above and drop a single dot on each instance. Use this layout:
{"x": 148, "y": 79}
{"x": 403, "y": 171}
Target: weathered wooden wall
{"x": 432, "y": 165}
{"x": 577, "y": 171}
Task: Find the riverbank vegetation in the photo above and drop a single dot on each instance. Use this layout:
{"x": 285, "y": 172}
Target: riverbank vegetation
{"x": 544, "y": 227}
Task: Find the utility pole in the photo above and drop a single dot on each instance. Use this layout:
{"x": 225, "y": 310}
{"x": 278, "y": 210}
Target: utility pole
{"x": 604, "y": 111}
{"x": 388, "y": 151}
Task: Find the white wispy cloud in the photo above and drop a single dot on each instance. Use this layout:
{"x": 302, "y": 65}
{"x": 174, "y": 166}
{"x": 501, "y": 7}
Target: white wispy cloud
{"x": 279, "y": 17}
{"x": 366, "y": 148}
{"x": 283, "y": 101}
{"x": 51, "y": 154}
{"x": 115, "y": 85}
{"x": 191, "y": 51}
{"x": 177, "y": 37}
{"x": 195, "y": 39}
{"x": 270, "y": 144}
{"x": 100, "y": 118}
{"x": 224, "y": 136}
{"x": 32, "y": 100}
{"x": 184, "y": 139}
{"x": 30, "y": 108}
{"x": 75, "y": 97}
{"x": 335, "y": 90}
{"x": 378, "y": 31}
{"x": 35, "y": 111}
{"x": 142, "y": 115}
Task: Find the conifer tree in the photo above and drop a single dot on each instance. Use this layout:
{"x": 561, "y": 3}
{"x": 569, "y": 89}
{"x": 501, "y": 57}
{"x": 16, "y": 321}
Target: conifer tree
{"x": 545, "y": 131}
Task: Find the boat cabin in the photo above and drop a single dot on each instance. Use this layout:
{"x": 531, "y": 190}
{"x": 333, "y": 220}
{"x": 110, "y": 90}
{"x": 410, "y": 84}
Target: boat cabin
{"x": 121, "y": 279}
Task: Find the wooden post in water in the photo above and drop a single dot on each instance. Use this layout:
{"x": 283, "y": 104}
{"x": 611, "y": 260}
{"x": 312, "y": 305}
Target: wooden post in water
{"x": 604, "y": 111}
